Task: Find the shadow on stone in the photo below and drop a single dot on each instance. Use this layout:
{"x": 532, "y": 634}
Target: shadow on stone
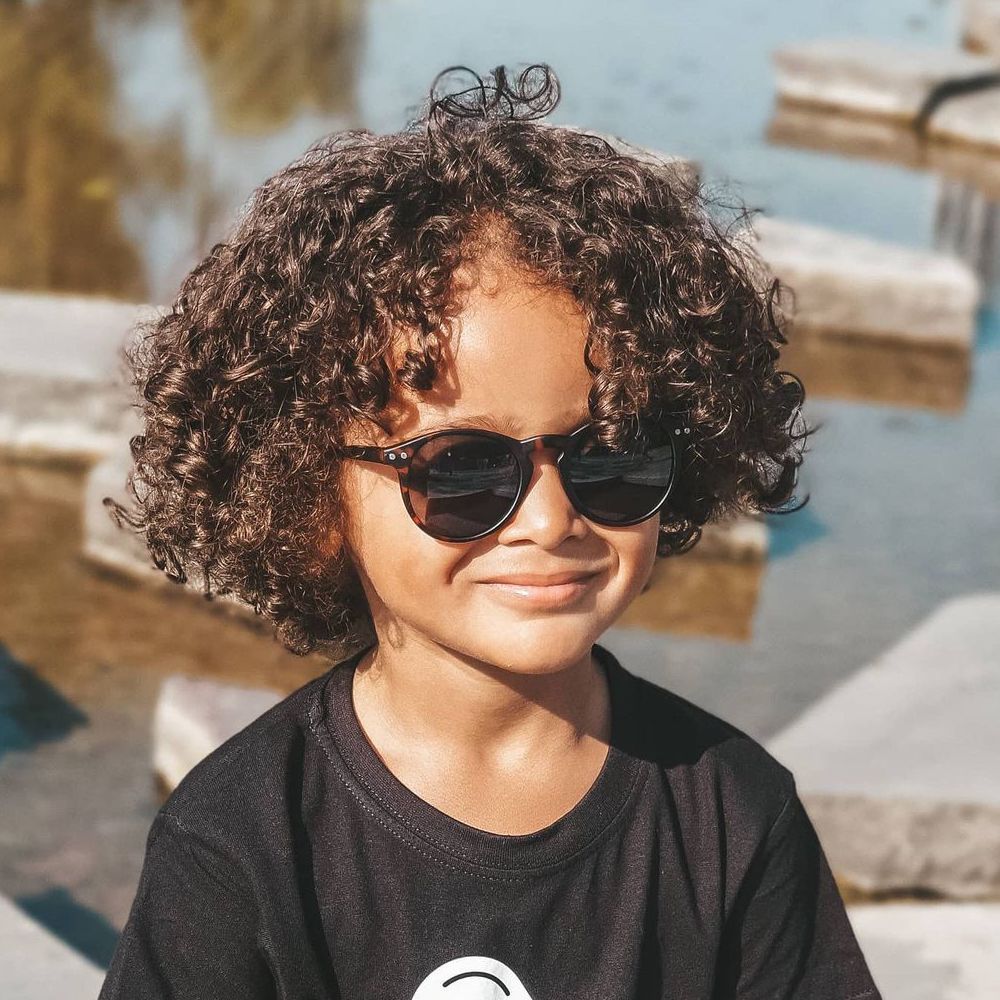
{"x": 31, "y": 710}
{"x": 83, "y": 929}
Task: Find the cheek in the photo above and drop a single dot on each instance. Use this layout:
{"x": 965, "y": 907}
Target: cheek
{"x": 635, "y": 548}
{"x": 386, "y": 546}
{"x": 375, "y": 518}
{"x": 636, "y": 545}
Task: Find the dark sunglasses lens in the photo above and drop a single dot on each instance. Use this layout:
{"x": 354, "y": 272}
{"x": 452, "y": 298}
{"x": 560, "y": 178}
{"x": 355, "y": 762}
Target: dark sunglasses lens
{"x": 617, "y": 487}
{"x": 462, "y": 485}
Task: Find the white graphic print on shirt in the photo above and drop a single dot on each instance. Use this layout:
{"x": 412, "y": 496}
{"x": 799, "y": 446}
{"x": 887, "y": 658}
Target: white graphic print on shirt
{"x": 472, "y": 978}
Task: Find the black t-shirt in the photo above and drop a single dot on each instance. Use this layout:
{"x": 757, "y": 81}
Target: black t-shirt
{"x": 292, "y": 863}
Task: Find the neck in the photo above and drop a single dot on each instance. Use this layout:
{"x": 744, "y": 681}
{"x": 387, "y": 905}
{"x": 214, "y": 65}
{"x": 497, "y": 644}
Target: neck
{"x": 425, "y": 695}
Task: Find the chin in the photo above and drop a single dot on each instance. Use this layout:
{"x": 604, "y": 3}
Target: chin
{"x": 539, "y": 647}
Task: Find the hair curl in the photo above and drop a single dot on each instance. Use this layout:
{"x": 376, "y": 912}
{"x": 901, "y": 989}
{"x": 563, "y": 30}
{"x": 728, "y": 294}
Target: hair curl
{"x": 283, "y": 335}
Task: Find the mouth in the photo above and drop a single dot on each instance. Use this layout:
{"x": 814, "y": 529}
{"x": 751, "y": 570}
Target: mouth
{"x": 566, "y": 590}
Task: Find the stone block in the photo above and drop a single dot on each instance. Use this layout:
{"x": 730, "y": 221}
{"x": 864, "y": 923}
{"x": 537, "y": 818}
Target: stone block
{"x": 873, "y": 320}
{"x": 897, "y": 767}
{"x": 863, "y": 77}
{"x": 194, "y": 716}
{"x": 38, "y": 965}
{"x": 931, "y": 951}
{"x": 63, "y": 388}
{"x": 845, "y": 283}
{"x": 866, "y": 76}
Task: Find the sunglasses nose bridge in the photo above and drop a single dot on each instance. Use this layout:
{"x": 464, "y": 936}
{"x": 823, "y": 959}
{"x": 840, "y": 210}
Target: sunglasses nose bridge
{"x": 531, "y": 447}
{"x": 526, "y": 453}
{"x": 544, "y": 441}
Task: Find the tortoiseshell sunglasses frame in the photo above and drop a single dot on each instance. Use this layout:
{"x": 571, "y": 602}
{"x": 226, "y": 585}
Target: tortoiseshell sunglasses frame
{"x": 399, "y": 456}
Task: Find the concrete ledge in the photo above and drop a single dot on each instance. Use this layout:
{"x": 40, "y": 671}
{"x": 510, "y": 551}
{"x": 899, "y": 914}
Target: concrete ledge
{"x": 846, "y": 284}
{"x": 62, "y": 386}
{"x": 37, "y": 965}
{"x": 872, "y": 320}
{"x": 931, "y": 951}
{"x": 866, "y": 76}
{"x": 897, "y": 767}
{"x": 193, "y": 717}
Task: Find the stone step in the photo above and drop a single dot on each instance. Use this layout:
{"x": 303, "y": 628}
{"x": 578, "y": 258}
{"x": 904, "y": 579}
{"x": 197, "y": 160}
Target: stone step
{"x": 931, "y": 951}
{"x": 862, "y": 76}
{"x": 195, "y": 716}
{"x": 62, "y": 380}
{"x": 38, "y": 965}
{"x": 869, "y": 76}
{"x": 897, "y": 767}
{"x": 872, "y": 320}
{"x": 853, "y": 285}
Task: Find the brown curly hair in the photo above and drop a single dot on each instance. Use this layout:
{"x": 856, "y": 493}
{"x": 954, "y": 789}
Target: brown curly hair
{"x": 286, "y": 333}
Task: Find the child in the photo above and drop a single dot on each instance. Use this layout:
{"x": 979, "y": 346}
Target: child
{"x": 443, "y": 398}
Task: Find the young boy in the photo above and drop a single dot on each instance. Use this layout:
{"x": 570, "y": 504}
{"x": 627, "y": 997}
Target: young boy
{"x": 444, "y": 397}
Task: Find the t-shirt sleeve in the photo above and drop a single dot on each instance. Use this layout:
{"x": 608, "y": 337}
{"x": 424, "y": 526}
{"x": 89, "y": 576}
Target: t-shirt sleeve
{"x": 191, "y": 932}
{"x": 788, "y": 936}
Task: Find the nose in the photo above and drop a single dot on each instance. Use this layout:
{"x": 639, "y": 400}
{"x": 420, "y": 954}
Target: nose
{"x": 546, "y": 514}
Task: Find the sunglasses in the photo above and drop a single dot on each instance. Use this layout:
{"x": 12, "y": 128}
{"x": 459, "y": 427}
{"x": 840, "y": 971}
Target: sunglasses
{"x": 460, "y": 485}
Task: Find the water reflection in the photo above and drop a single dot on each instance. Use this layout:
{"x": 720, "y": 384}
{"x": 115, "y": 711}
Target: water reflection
{"x": 130, "y": 133}
{"x": 61, "y": 163}
{"x": 887, "y": 370}
{"x": 965, "y": 225}
{"x": 267, "y": 60}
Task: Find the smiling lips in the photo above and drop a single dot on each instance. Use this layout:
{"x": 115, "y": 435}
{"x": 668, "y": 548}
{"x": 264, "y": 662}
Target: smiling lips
{"x": 542, "y": 580}
{"x": 542, "y": 591}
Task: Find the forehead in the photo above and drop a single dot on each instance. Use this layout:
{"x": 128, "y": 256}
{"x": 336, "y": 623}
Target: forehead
{"x": 512, "y": 359}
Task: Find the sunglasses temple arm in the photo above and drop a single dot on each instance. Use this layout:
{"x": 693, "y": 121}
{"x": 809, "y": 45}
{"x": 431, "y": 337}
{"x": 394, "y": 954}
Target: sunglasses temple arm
{"x": 366, "y": 454}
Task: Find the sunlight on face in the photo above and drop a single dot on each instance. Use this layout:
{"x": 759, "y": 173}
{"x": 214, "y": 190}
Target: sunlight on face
{"x": 514, "y": 354}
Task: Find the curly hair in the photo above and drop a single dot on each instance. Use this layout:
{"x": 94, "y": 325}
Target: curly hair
{"x": 285, "y": 334}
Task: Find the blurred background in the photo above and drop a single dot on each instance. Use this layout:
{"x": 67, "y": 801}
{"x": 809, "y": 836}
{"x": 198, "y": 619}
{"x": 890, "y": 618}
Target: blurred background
{"x": 858, "y": 639}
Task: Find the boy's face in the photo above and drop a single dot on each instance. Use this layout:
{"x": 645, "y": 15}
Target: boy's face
{"x": 515, "y": 353}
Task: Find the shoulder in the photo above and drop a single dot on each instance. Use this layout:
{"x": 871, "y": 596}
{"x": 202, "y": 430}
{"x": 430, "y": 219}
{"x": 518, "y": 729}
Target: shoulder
{"x": 708, "y": 765}
{"x": 246, "y": 779}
